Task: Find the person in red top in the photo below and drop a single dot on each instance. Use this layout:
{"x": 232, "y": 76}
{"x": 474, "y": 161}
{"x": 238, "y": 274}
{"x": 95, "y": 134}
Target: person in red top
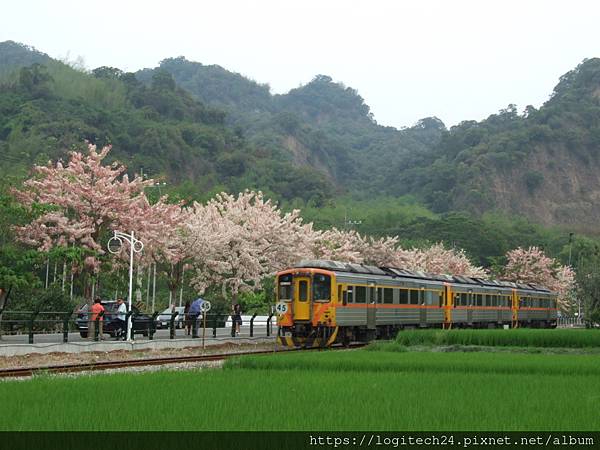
{"x": 97, "y": 308}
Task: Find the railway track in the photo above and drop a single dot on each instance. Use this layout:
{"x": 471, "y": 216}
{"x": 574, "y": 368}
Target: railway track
{"x": 104, "y": 365}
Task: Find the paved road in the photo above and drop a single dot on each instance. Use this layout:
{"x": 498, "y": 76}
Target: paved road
{"x": 260, "y": 331}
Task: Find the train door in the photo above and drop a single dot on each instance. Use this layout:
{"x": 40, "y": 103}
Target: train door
{"x": 448, "y": 305}
{"x": 371, "y": 306}
{"x": 302, "y": 298}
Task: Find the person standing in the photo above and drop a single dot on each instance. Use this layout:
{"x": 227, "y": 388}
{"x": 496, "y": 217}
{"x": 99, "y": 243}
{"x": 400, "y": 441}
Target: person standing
{"x": 236, "y": 317}
{"x": 194, "y": 313}
{"x": 97, "y": 313}
{"x": 186, "y": 317}
{"x": 122, "y": 319}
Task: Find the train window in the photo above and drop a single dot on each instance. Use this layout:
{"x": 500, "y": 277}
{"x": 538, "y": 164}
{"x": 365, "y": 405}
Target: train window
{"x": 339, "y": 294}
{"x": 494, "y": 300}
{"x": 403, "y": 297}
{"x": 429, "y": 297}
{"x": 464, "y": 299}
{"x": 440, "y": 298}
{"x": 350, "y": 294}
{"x": 285, "y": 287}
{"x": 361, "y": 294}
{"x": 414, "y": 297}
{"x": 379, "y": 295}
{"x": 303, "y": 290}
{"x": 388, "y": 295}
{"x": 321, "y": 288}
{"x": 481, "y": 299}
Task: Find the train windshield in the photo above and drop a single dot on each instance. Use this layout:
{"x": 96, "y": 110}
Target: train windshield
{"x": 321, "y": 288}
{"x": 285, "y": 287}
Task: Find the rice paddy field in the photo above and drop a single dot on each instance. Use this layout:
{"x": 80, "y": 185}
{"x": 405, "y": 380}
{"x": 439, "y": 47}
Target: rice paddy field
{"x": 368, "y": 389}
{"x": 520, "y": 337}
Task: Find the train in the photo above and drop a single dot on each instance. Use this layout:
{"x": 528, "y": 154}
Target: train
{"x": 322, "y": 302}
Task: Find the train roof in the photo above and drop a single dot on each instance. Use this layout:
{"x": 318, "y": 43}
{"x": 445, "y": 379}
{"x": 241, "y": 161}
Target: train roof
{"x": 394, "y": 272}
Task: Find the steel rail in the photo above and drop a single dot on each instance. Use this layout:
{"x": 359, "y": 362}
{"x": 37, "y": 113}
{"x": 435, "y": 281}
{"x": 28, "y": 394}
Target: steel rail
{"x": 104, "y": 365}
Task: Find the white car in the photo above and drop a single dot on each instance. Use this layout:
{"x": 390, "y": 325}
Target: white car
{"x": 163, "y": 319}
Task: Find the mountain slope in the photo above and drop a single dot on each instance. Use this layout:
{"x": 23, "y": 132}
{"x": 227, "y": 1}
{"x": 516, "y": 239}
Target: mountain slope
{"x": 543, "y": 164}
{"x": 323, "y": 124}
{"x": 159, "y": 128}
{"x": 207, "y": 128}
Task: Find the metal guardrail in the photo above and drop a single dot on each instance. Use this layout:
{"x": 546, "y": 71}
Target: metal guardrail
{"x": 62, "y": 323}
{"x": 568, "y": 322}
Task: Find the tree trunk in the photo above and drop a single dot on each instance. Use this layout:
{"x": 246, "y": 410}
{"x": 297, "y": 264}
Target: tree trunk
{"x": 174, "y": 282}
{"x": 3, "y": 302}
{"x": 154, "y": 288}
{"x": 138, "y": 285}
{"x": 64, "y": 275}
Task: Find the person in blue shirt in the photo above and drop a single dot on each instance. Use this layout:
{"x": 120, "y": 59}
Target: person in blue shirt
{"x": 194, "y": 312}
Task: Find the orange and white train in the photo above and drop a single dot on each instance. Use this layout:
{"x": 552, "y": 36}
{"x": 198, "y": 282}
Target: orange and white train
{"x": 323, "y": 302}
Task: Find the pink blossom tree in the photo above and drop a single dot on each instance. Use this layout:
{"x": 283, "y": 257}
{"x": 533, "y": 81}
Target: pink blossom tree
{"x": 350, "y": 246}
{"x": 81, "y": 203}
{"x": 531, "y": 265}
{"x": 337, "y": 245}
{"x": 440, "y": 260}
{"x": 237, "y": 241}
{"x": 161, "y": 227}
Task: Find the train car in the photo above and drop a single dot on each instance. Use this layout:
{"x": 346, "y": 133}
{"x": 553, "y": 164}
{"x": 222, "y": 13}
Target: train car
{"x": 323, "y": 302}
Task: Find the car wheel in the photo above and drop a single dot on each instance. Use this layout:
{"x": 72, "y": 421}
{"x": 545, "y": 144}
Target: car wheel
{"x": 83, "y": 334}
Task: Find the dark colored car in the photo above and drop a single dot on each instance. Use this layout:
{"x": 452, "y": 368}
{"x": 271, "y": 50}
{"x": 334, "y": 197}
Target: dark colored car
{"x": 141, "y": 322}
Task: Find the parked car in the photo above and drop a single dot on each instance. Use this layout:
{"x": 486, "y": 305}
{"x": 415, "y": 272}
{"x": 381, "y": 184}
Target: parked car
{"x": 163, "y": 319}
{"x": 141, "y": 322}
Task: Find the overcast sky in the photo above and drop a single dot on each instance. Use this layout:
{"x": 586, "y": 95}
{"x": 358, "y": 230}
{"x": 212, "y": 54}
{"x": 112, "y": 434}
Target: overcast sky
{"x": 457, "y": 60}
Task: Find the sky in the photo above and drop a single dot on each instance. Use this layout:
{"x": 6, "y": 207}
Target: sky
{"x": 457, "y": 60}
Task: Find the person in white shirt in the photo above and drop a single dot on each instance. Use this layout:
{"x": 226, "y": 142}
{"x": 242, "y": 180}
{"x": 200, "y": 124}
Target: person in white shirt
{"x": 122, "y": 318}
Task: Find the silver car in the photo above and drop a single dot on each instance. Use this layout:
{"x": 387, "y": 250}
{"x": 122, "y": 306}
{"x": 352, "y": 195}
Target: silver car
{"x": 163, "y": 319}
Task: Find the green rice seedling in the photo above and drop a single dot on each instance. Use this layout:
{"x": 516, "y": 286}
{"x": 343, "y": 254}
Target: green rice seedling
{"x": 285, "y": 400}
{"x": 514, "y": 338}
{"x": 381, "y": 361}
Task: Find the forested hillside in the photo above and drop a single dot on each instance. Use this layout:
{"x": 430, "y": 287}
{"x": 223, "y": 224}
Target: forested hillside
{"x": 543, "y": 164}
{"x": 204, "y": 128}
{"x": 322, "y": 124}
{"x": 158, "y": 128}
